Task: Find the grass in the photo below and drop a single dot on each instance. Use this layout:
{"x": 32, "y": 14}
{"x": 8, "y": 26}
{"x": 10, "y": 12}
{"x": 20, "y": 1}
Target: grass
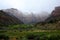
{"x": 32, "y": 35}
{"x": 35, "y": 34}
{"x": 30, "y": 32}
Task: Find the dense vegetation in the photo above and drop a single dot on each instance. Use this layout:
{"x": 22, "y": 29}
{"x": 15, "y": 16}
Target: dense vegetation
{"x": 28, "y": 32}
{"x": 30, "y": 35}
{"x": 39, "y": 31}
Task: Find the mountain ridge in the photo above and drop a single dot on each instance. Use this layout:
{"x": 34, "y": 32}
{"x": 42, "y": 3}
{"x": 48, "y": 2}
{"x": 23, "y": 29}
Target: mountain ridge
{"x": 6, "y": 19}
{"x": 27, "y": 19}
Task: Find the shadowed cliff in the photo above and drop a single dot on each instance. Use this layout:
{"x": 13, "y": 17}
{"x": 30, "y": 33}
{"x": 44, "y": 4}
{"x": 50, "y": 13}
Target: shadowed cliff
{"x": 6, "y": 19}
{"x": 52, "y": 22}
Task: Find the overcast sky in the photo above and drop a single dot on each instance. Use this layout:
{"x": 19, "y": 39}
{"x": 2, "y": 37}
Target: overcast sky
{"x": 30, "y": 5}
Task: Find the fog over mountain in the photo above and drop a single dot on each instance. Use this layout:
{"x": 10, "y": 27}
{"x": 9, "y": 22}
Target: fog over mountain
{"x": 29, "y": 18}
{"x": 30, "y": 5}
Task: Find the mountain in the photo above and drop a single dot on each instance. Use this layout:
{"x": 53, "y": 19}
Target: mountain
{"x": 8, "y": 19}
{"x": 27, "y": 18}
{"x": 55, "y": 15}
{"x": 33, "y": 18}
{"x": 56, "y": 12}
{"x": 12, "y": 11}
{"x": 41, "y": 17}
{"x": 52, "y": 22}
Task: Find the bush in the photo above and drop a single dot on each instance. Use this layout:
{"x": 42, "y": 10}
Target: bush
{"x": 4, "y": 37}
{"x": 54, "y": 37}
{"x": 42, "y": 36}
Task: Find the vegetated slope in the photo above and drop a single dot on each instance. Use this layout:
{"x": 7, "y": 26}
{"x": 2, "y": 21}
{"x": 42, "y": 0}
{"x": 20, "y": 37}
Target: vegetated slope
{"x": 52, "y": 22}
{"x": 7, "y": 19}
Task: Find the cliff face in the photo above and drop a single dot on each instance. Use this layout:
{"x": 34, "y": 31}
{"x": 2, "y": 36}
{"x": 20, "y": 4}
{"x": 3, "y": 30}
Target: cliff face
{"x": 6, "y": 19}
{"x": 56, "y": 12}
{"x": 29, "y": 18}
{"x": 55, "y": 15}
{"x": 52, "y": 22}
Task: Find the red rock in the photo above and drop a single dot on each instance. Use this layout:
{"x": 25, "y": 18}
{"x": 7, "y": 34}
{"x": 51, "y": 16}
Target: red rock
{"x": 6, "y": 19}
{"x": 56, "y": 12}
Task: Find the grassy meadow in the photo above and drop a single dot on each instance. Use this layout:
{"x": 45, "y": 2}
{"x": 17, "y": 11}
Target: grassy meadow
{"x": 29, "y": 32}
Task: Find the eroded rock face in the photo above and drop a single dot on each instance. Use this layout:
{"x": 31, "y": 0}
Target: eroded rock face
{"x": 26, "y": 19}
{"x": 55, "y": 15}
{"x": 6, "y": 19}
{"x": 56, "y": 12}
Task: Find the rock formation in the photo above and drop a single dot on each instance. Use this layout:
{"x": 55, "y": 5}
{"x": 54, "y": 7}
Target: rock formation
{"x": 7, "y": 19}
{"x": 56, "y": 12}
{"x": 55, "y": 15}
{"x": 26, "y": 19}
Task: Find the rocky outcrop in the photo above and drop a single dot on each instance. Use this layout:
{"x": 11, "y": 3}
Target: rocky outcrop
{"x": 52, "y": 22}
{"x": 56, "y": 12}
{"x": 55, "y": 15}
{"x": 7, "y": 19}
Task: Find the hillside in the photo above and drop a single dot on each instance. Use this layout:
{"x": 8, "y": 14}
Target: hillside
{"x": 6, "y": 19}
{"x": 46, "y": 30}
{"x": 52, "y": 22}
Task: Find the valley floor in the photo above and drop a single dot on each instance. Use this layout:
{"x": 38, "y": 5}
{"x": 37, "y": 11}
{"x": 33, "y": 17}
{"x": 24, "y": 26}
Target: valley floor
{"x": 31, "y": 35}
{"x": 27, "y": 32}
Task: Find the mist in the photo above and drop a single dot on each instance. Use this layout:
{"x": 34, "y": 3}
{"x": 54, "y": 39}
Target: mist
{"x": 30, "y": 5}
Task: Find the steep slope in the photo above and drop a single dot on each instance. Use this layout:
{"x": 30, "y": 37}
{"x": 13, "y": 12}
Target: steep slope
{"x": 52, "y": 22}
{"x": 29, "y": 18}
{"x": 18, "y": 14}
{"x": 55, "y": 15}
{"x": 41, "y": 17}
{"x": 7, "y": 19}
{"x": 35, "y": 17}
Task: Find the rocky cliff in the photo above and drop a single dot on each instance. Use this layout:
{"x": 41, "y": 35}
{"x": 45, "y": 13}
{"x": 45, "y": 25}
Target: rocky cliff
{"x": 7, "y": 19}
{"x": 55, "y": 15}
{"x": 52, "y": 22}
{"x": 56, "y": 12}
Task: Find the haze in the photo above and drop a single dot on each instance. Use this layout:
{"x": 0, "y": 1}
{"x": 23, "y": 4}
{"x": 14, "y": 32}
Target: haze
{"x": 30, "y": 5}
